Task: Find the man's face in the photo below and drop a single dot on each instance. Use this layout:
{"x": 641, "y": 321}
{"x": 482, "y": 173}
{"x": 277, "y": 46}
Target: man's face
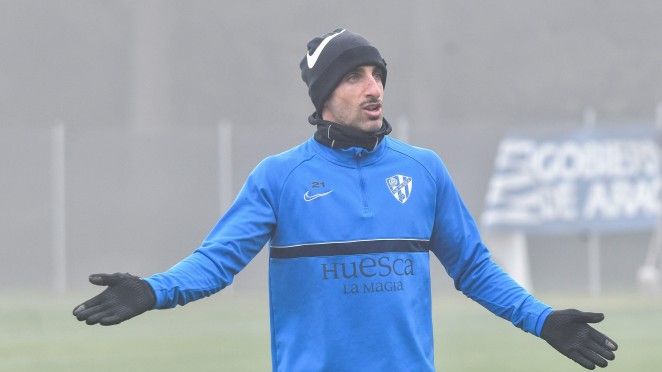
{"x": 357, "y": 100}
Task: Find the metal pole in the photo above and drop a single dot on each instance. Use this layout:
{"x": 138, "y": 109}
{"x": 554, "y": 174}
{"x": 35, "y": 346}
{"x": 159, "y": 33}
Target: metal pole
{"x": 593, "y": 244}
{"x": 590, "y": 118}
{"x": 402, "y": 129}
{"x": 594, "y": 275}
{"x": 656, "y": 241}
{"x": 58, "y": 208}
{"x": 649, "y": 275}
{"x": 150, "y": 73}
{"x": 225, "y": 194}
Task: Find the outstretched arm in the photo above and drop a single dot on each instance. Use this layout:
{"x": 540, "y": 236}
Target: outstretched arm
{"x": 233, "y": 242}
{"x": 457, "y": 244}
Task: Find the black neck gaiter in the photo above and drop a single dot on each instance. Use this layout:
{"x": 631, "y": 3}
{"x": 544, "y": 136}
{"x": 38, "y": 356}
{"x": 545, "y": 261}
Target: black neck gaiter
{"x": 338, "y": 136}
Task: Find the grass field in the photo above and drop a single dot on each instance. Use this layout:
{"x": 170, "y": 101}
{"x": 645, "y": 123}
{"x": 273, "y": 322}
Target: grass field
{"x": 230, "y": 332}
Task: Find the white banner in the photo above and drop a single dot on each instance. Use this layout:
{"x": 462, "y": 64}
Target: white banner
{"x": 586, "y": 180}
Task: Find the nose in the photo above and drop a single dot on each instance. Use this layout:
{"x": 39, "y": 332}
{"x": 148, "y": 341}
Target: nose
{"x": 374, "y": 87}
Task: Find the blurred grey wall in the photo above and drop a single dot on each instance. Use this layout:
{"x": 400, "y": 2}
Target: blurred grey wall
{"x": 142, "y": 85}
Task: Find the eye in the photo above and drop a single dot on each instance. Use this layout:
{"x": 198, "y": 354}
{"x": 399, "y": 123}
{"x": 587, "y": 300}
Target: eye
{"x": 378, "y": 75}
{"x": 352, "y": 76}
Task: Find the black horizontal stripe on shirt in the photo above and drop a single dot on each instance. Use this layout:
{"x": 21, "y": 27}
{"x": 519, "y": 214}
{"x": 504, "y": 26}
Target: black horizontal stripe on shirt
{"x": 348, "y": 248}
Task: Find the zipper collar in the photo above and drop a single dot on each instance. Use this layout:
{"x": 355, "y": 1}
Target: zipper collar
{"x": 340, "y": 136}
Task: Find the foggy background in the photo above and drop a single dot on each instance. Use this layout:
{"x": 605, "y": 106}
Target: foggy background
{"x": 140, "y": 89}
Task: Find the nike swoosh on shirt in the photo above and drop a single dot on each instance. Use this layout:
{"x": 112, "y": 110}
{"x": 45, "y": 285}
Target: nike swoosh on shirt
{"x": 307, "y": 197}
{"x": 311, "y": 60}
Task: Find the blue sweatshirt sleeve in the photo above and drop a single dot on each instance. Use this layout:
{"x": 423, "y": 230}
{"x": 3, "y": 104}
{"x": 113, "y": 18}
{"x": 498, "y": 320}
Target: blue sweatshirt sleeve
{"x": 457, "y": 244}
{"x": 237, "y": 237}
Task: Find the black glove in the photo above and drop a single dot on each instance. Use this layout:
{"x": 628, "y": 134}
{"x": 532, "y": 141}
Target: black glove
{"x": 568, "y": 332}
{"x": 125, "y": 297}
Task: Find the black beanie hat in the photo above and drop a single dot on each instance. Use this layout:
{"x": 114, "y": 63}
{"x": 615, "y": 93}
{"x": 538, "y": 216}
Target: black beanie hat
{"x": 330, "y": 57}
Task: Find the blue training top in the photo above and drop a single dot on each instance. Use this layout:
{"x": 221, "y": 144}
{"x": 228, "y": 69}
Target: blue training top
{"x": 349, "y": 280}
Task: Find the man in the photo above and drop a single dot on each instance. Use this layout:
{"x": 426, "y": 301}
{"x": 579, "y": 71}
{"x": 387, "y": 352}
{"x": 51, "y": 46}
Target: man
{"x": 350, "y": 216}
